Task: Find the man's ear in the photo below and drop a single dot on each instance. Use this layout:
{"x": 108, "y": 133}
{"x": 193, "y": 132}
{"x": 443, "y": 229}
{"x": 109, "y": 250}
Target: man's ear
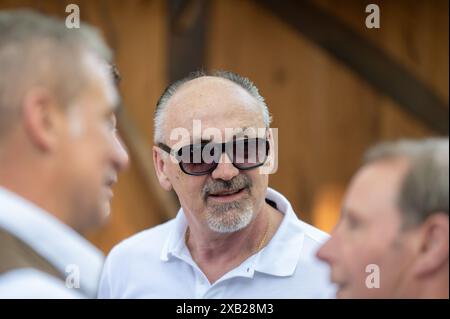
{"x": 271, "y": 165}
{"x": 158, "y": 162}
{"x": 434, "y": 245}
{"x": 41, "y": 115}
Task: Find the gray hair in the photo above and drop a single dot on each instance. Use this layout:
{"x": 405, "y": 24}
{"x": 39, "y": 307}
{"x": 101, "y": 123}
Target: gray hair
{"x": 38, "y": 50}
{"x": 242, "y": 81}
{"x": 424, "y": 190}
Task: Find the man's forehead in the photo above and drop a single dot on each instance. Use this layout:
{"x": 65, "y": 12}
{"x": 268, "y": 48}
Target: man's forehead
{"x": 205, "y": 83}
{"x": 99, "y": 73}
{"x": 209, "y": 95}
{"x": 215, "y": 109}
{"x": 214, "y": 134}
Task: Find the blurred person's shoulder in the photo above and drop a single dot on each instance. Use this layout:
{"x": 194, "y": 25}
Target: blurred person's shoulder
{"x": 148, "y": 242}
{"x": 29, "y": 283}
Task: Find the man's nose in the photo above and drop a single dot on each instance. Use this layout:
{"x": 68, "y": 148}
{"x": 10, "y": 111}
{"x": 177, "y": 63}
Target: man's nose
{"x": 121, "y": 158}
{"x": 326, "y": 252}
{"x": 225, "y": 169}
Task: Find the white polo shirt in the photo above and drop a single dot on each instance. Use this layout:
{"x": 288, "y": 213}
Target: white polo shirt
{"x": 156, "y": 263}
{"x": 59, "y": 244}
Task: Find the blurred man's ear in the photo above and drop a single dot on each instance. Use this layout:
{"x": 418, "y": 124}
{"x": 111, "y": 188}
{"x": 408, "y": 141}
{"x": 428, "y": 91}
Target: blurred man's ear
{"x": 40, "y": 117}
{"x": 434, "y": 245}
{"x": 158, "y": 162}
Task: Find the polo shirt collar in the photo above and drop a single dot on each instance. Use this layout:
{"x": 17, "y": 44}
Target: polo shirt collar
{"x": 279, "y": 258}
{"x": 175, "y": 242}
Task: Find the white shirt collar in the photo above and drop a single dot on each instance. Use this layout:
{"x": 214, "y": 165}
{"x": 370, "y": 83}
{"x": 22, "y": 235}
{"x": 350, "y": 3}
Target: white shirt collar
{"x": 279, "y": 258}
{"x": 55, "y": 241}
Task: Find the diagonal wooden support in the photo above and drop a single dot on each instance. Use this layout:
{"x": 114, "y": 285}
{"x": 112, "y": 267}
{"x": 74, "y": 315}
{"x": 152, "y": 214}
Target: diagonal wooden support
{"x": 364, "y": 58}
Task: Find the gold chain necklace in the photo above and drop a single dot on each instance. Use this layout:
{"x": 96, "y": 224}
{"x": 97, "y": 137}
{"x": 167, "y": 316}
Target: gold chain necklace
{"x": 258, "y": 248}
{"x": 263, "y": 240}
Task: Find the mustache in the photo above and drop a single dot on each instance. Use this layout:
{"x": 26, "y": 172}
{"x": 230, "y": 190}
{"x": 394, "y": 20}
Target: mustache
{"x": 217, "y": 186}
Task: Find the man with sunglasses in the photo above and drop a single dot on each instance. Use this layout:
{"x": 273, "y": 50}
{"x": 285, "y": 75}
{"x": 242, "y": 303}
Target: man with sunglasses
{"x": 233, "y": 237}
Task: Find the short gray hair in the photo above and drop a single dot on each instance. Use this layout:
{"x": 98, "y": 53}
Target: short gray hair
{"x": 242, "y": 81}
{"x": 36, "y": 49}
{"x": 424, "y": 190}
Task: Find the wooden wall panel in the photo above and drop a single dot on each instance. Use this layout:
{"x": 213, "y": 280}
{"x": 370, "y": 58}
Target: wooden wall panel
{"x": 415, "y": 33}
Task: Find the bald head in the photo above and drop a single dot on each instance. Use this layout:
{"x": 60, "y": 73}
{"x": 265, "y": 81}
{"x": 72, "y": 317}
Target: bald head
{"x": 209, "y": 97}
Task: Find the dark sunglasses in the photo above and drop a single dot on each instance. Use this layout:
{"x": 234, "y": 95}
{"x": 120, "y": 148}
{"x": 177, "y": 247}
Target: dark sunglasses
{"x": 203, "y": 158}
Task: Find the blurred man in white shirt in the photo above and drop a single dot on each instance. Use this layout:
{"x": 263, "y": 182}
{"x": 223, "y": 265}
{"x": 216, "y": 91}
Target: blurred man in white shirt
{"x": 59, "y": 155}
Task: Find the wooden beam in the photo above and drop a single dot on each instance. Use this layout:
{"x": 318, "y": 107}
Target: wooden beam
{"x": 365, "y": 59}
{"x": 187, "y": 33}
{"x": 141, "y": 154}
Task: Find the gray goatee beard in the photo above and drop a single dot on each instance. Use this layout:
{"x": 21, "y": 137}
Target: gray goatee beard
{"x": 229, "y": 217}
{"x": 233, "y": 216}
